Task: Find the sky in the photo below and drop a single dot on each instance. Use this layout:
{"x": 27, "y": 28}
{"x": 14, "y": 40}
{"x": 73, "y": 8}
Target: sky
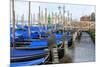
{"x": 76, "y": 10}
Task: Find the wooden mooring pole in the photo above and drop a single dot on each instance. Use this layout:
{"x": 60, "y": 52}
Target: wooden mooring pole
{"x": 64, "y": 35}
{"x": 39, "y": 20}
{"x": 53, "y": 49}
{"x": 46, "y": 19}
{"x": 29, "y": 32}
{"x": 52, "y": 44}
{"x": 23, "y": 21}
{"x": 13, "y": 31}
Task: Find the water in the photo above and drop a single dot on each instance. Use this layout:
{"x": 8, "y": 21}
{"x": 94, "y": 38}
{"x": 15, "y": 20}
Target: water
{"x": 84, "y": 50}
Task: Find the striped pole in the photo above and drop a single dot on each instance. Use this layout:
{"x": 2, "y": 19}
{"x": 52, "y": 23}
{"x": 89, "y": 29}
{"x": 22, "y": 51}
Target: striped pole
{"x": 13, "y": 31}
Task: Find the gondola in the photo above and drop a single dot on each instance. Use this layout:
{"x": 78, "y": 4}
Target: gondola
{"x": 27, "y": 57}
{"x": 30, "y": 41}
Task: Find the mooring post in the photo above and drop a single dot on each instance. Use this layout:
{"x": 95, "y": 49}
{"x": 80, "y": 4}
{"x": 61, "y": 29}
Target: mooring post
{"x": 71, "y": 17}
{"x": 59, "y": 16}
{"x": 54, "y": 46}
{"x": 46, "y": 19}
{"x": 42, "y": 20}
{"x": 23, "y": 21}
{"x": 33, "y": 18}
{"x": 29, "y": 32}
{"x": 63, "y": 18}
{"x": 16, "y": 20}
{"x": 68, "y": 15}
{"x": 13, "y": 31}
{"x": 74, "y": 35}
{"x": 64, "y": 35}
{"x": 56, "y": 21}
{"x": 65, "y": 43}
{"x": 53, "y": 49}
{"x": 39, "y": 20}
{"x": 52, "y": 18}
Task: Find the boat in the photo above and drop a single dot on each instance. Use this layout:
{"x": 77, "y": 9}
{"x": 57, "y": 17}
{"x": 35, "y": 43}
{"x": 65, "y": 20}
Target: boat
{"x": 25, "y": 57}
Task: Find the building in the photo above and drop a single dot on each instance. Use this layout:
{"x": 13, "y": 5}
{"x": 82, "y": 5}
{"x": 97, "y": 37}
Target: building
{"x": 85, "y": 18}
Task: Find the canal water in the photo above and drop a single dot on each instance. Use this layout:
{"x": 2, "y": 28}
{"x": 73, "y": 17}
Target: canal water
{"x": 84, "y": 50}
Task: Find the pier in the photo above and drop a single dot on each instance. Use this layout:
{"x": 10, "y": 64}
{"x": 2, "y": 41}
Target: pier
{"x": 49, "y": 37}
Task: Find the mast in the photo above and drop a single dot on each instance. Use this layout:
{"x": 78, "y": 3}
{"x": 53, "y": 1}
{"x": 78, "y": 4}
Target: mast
{"x": 13, "y": 13}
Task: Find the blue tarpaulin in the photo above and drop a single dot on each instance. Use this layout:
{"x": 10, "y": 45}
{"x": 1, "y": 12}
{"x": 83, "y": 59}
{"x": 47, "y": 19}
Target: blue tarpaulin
{"x": 38, "y": 43}
{"x": 22, "y": 53}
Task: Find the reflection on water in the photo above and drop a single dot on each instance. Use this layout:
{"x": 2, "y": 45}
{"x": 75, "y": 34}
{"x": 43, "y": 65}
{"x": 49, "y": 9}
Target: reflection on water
{"x": 84, "y": 50}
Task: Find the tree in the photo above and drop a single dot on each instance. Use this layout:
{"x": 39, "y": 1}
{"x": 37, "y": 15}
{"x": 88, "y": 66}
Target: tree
{"x": 92, "y": 16}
